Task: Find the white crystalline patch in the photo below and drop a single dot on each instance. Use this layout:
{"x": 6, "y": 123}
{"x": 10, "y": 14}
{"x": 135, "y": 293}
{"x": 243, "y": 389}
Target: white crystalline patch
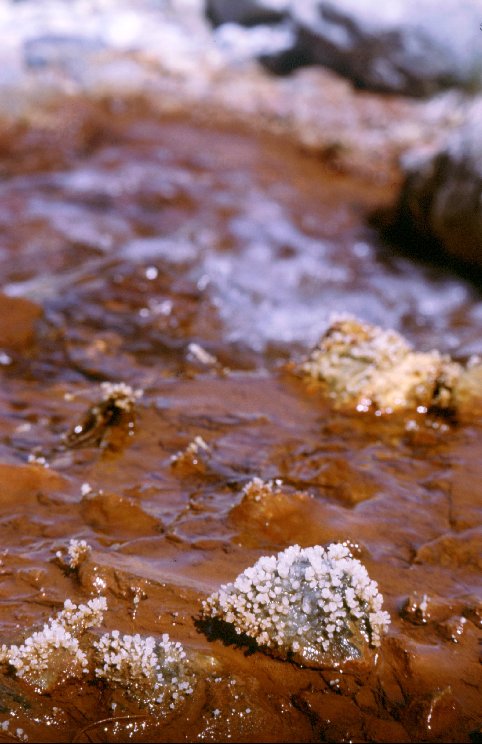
{"x": 35, "y": 654}
{"x": 38, "y": 658}
{"x": 77, "y": 552}
{"x": 150, "y": 671}
{"x": 258, "y": 489}
{"x": 79, "y": 618}
{"x": 364, "y": 365}
{"x": 124, "y": 395}
{"x": 190, "y": 454}
{"x": 323, "y": 596}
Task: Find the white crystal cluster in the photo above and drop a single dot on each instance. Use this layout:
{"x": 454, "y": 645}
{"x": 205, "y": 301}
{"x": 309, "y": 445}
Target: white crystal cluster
{"x": 123, "y": 395}
{"x": 54, "y": 653}
{"x": 257, "y": 489}
{"x": 315, "y": 605}
{"x": 78, "y": 618}
{"x": 77, "y": 552}
{"x": 192, "y": 454}
{"x": 364, "y": 366}
{"x": 150, "y": 671}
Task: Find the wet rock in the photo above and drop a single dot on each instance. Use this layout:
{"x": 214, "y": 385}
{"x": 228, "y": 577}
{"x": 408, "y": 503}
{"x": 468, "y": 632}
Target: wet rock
{"x": 473, "y": 612}
{"x": 345, "y": 481}
{"x": 453, "y": 628}
{"x": 363, "y": 367}
{"x": 461, "y": 549}
{"x": 118, "y": 515}
{"x": 336, "y": 718}
{"x": 318, "y": 607}
{"x": 433, "y": 715}
{"x": 260, "y": 501}
{"x": 247, "y": 12}
{"x": 26, "y": 483}
{"x": 265, "y": 509}
{"x": 415, "y": 610}
{"x": 236, "y": 711}
{"x": 441, "y": 195}
{"x": 383, "y": 730}
{"x": 414, "y": 48}
{"x": 194, "y": 459}
{"x": 18, "y": 319}
{"x": 422, "y": 609}
{"x": 109, "y": 422}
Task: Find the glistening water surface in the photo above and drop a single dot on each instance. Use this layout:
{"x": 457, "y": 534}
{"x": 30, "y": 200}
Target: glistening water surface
{"x": 193, "y": 259}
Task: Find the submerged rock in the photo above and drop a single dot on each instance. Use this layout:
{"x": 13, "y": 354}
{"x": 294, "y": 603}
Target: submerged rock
{"x": 363, "y": 367}
{"x": 315, "y": 606}
{"x": 109, "y": 421}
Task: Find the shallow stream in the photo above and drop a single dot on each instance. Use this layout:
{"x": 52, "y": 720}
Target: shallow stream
{"x": 192, "y": 260}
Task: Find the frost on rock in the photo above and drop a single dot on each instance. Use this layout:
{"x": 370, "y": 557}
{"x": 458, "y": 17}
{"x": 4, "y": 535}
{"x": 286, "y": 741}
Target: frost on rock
{"x": 258, "y": 489}
{"x": 121, "y": 395}
{"x": 108, "y": 420}
{"x": 194, "y": 458}
{"x": 54, "y": 654}
{"x": 315, "y": 606}
{"x": 77, "y": 552}
{"x": 152, "y": 672}
{"x": 364, "y": 367}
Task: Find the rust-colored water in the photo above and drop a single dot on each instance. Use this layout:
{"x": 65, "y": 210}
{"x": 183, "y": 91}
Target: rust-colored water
{"x": 131, "y": 241}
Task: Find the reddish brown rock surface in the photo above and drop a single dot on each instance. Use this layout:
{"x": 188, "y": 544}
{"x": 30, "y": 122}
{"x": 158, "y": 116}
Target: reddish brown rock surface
{"x": 160, "y": 233}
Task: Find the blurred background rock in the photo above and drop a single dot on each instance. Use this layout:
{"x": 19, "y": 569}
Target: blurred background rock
{"x": 384, "y": 91}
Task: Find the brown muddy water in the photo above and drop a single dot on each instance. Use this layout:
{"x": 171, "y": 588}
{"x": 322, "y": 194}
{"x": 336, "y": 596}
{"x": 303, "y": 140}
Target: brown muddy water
{"x": 193, "y": 260}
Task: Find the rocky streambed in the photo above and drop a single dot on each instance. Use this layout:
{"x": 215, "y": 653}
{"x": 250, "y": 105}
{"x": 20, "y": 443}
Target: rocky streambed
{"x": 172, "y": 252}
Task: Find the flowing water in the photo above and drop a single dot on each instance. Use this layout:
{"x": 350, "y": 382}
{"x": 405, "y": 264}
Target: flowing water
{"x": 194, "y": 259}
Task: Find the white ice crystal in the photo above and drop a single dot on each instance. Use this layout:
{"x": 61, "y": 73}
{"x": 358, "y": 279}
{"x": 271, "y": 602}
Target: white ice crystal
{"x": 78, "y": 618}
{"x": 258, "y": 489}
{"x": 77, "y": 552}
{"x": 191, "y": 455}
{"x": 54, "y": 653}
{"x": 314, "y": 604}
{"x": 123, "y": 395}
{"x": 151, "y": 671}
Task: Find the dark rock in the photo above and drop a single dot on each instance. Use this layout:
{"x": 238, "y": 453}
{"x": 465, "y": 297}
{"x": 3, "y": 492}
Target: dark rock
{"x": 246, "y": 12}
{"x": 442, "y": 194}
{"x": 414, "y": 47}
